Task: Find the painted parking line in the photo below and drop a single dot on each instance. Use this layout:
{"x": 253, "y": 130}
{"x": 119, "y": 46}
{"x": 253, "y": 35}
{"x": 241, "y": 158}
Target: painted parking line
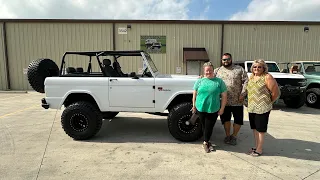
{"x": 21, "y": 110}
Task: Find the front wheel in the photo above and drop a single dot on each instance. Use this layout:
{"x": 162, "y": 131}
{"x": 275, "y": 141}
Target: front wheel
{"x": 178, "y": 128}
{"x": 313, "y": 97}
{"x": 81, "y": 120}
{"x": 295, "y": 101}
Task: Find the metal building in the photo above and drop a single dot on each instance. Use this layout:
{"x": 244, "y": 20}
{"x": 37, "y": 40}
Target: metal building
{"x": 177, "y": 47}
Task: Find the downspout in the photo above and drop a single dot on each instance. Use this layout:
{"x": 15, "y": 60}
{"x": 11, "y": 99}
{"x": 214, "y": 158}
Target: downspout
{"x": 114, "y": 39}
{"x": 222, "y": 41}
{"x": 6, "y": 55}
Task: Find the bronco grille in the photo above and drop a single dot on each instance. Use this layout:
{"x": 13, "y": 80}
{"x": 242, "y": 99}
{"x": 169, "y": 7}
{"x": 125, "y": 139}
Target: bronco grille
{"x": 292, "y": 82}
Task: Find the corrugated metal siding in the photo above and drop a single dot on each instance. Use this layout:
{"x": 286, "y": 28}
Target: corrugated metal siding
{"x": 177, "y": 37}
{"x": 3, "y": 75}
{"x": 272, "y": 42}
{"x": 29, "y": 41}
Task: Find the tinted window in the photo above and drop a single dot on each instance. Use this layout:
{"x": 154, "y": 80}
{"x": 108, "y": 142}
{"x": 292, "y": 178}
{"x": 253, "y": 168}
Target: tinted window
{"x": 272, "y": 67}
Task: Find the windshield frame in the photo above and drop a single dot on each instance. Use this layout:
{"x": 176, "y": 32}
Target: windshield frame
{"x": 150, "y": 64}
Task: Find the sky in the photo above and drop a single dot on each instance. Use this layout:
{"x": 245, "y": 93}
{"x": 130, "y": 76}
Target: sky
{"x": 272, "y": 10}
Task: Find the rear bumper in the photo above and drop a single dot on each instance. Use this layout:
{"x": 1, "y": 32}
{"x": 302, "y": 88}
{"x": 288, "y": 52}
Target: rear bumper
{"x": 44, "y": 103}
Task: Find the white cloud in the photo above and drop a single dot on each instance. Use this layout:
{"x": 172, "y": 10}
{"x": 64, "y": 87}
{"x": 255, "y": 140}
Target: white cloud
{"x": 94, "y": 9}
{"x": 280, "y": 10}
{"x": 203, "y": 13}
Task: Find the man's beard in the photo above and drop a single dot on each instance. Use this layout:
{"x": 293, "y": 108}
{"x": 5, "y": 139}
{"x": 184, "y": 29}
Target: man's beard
{"x": 227, "y": 65}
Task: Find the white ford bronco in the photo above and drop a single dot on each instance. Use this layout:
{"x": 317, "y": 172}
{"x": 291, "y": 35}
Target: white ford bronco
{"x": 292, "y": 86}
{"x": 89, "y": 97}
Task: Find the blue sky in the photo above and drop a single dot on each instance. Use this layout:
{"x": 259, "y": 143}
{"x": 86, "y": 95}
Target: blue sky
{"x": 289, "y": 10}
{"x": 218, "y": 9}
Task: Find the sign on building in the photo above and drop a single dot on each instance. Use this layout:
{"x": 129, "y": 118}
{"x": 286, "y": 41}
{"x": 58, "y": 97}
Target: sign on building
{"x": 122, "y": 30}
{"x": 153, "y": 44}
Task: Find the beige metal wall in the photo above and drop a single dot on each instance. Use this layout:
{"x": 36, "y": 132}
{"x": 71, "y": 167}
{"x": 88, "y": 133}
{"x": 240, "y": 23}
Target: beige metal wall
{"x": 29, "y": 41}
{"x": 177, "y": 37}
{"x": 272, "y": 42}
{"x": 3, "y": 74}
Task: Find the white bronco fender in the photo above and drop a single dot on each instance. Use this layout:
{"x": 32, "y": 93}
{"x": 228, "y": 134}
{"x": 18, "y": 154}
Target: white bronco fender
{"x": 172, "y": 98}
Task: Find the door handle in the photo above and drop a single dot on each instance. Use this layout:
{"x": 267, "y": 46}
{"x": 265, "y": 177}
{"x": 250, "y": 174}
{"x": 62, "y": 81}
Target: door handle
{"x": 113, "y": 80}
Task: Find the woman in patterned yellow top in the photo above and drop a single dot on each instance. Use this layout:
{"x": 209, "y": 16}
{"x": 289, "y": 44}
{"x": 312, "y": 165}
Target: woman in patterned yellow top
{"x": 262, "y": 92}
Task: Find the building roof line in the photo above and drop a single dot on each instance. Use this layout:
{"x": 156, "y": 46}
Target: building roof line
{"x": 160, "y": 21}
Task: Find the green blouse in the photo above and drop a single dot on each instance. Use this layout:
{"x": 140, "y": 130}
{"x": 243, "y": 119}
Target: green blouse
{"x": 208, "y": 94}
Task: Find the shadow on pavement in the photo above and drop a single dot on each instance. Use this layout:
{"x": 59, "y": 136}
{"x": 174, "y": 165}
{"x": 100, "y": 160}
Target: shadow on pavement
{"x": 302, "y": 110}
{"x": 139, "y": 130}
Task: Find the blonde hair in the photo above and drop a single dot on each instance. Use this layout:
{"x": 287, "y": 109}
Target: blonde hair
{"x": 264, "y": 66}
{"x": 208, "y": 64}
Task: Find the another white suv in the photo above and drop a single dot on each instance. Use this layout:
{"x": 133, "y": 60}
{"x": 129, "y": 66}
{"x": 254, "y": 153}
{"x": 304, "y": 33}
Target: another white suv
{"x": 89, "y": 97}
{"x": 292, "y": 86}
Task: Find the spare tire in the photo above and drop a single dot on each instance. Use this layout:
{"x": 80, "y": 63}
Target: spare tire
{"x": 39, "y": 70}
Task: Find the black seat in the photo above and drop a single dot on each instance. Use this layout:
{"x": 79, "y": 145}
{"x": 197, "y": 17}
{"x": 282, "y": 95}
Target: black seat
{"x": 117, "y": 67}
{"x": 71, "y": 70}
{"x": 80, "y": 69}
{"x": 110, "y": 72}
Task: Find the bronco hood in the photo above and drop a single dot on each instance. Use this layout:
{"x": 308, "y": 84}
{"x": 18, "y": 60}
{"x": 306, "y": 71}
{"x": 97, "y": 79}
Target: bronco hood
{"x": 279, "y": 75}
{"x": 177, "y": 76}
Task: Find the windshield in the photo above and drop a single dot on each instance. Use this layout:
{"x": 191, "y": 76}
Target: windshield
{"x": 272, "y": 67}
{"x": 312, "y": 67}
{"x": 150, "y": 62}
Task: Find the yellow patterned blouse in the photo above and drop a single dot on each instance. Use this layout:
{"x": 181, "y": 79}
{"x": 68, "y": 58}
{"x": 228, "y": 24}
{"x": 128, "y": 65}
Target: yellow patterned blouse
{"x": 259, "y": 96}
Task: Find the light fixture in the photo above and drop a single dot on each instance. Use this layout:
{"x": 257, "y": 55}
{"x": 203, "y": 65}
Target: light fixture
{"x": 129, "y": 26}
{"x": 306, "y": 29}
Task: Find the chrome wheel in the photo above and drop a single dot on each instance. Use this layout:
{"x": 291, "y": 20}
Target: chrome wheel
{"x": 312, "y": 98}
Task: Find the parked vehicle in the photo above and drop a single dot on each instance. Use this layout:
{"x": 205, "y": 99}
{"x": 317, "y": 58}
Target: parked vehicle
{"x": 311, "y": 71}
{"x": 292, "y": 86}
{"x": 89, "y": 97}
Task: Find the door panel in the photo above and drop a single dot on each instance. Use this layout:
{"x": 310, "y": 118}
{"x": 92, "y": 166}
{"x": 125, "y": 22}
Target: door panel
{"x": 132, "y": 93}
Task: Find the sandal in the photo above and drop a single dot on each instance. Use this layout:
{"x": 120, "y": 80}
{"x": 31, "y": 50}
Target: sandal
{"x": 255, "y": 153}
{"x": 211, "y": 147}
{"x": 251, "y": 150}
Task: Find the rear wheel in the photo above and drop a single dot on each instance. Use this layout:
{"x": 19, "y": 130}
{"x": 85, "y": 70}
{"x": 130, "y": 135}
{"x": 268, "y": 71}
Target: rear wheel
{"x": 177, "y": 118}
{"x": 81, "y": 120}
{"x": 313, "y": 97}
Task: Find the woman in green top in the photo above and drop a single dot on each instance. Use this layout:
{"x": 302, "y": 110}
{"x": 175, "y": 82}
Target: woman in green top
{"x": 262, "y": 92}
{"x": 206, "y": 102}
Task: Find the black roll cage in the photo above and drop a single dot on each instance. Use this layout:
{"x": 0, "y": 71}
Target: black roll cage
{"x": 97, "y": 54}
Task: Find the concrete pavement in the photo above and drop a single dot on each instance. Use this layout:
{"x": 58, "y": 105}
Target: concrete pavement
{"x": 139, "y": 146}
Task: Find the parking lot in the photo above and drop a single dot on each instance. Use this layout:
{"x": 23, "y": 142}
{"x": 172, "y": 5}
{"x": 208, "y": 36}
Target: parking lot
{"x": 139, "y": 146}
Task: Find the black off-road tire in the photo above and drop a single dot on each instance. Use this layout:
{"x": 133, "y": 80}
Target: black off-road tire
{"x": 177, "y": 126}
{"x": 295, "y": 101}
{"x": 39, "y": 70}
{"x": 109, "y": 115}
{"x": 81, "y": 120}
{"x": 313, "y": 97}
